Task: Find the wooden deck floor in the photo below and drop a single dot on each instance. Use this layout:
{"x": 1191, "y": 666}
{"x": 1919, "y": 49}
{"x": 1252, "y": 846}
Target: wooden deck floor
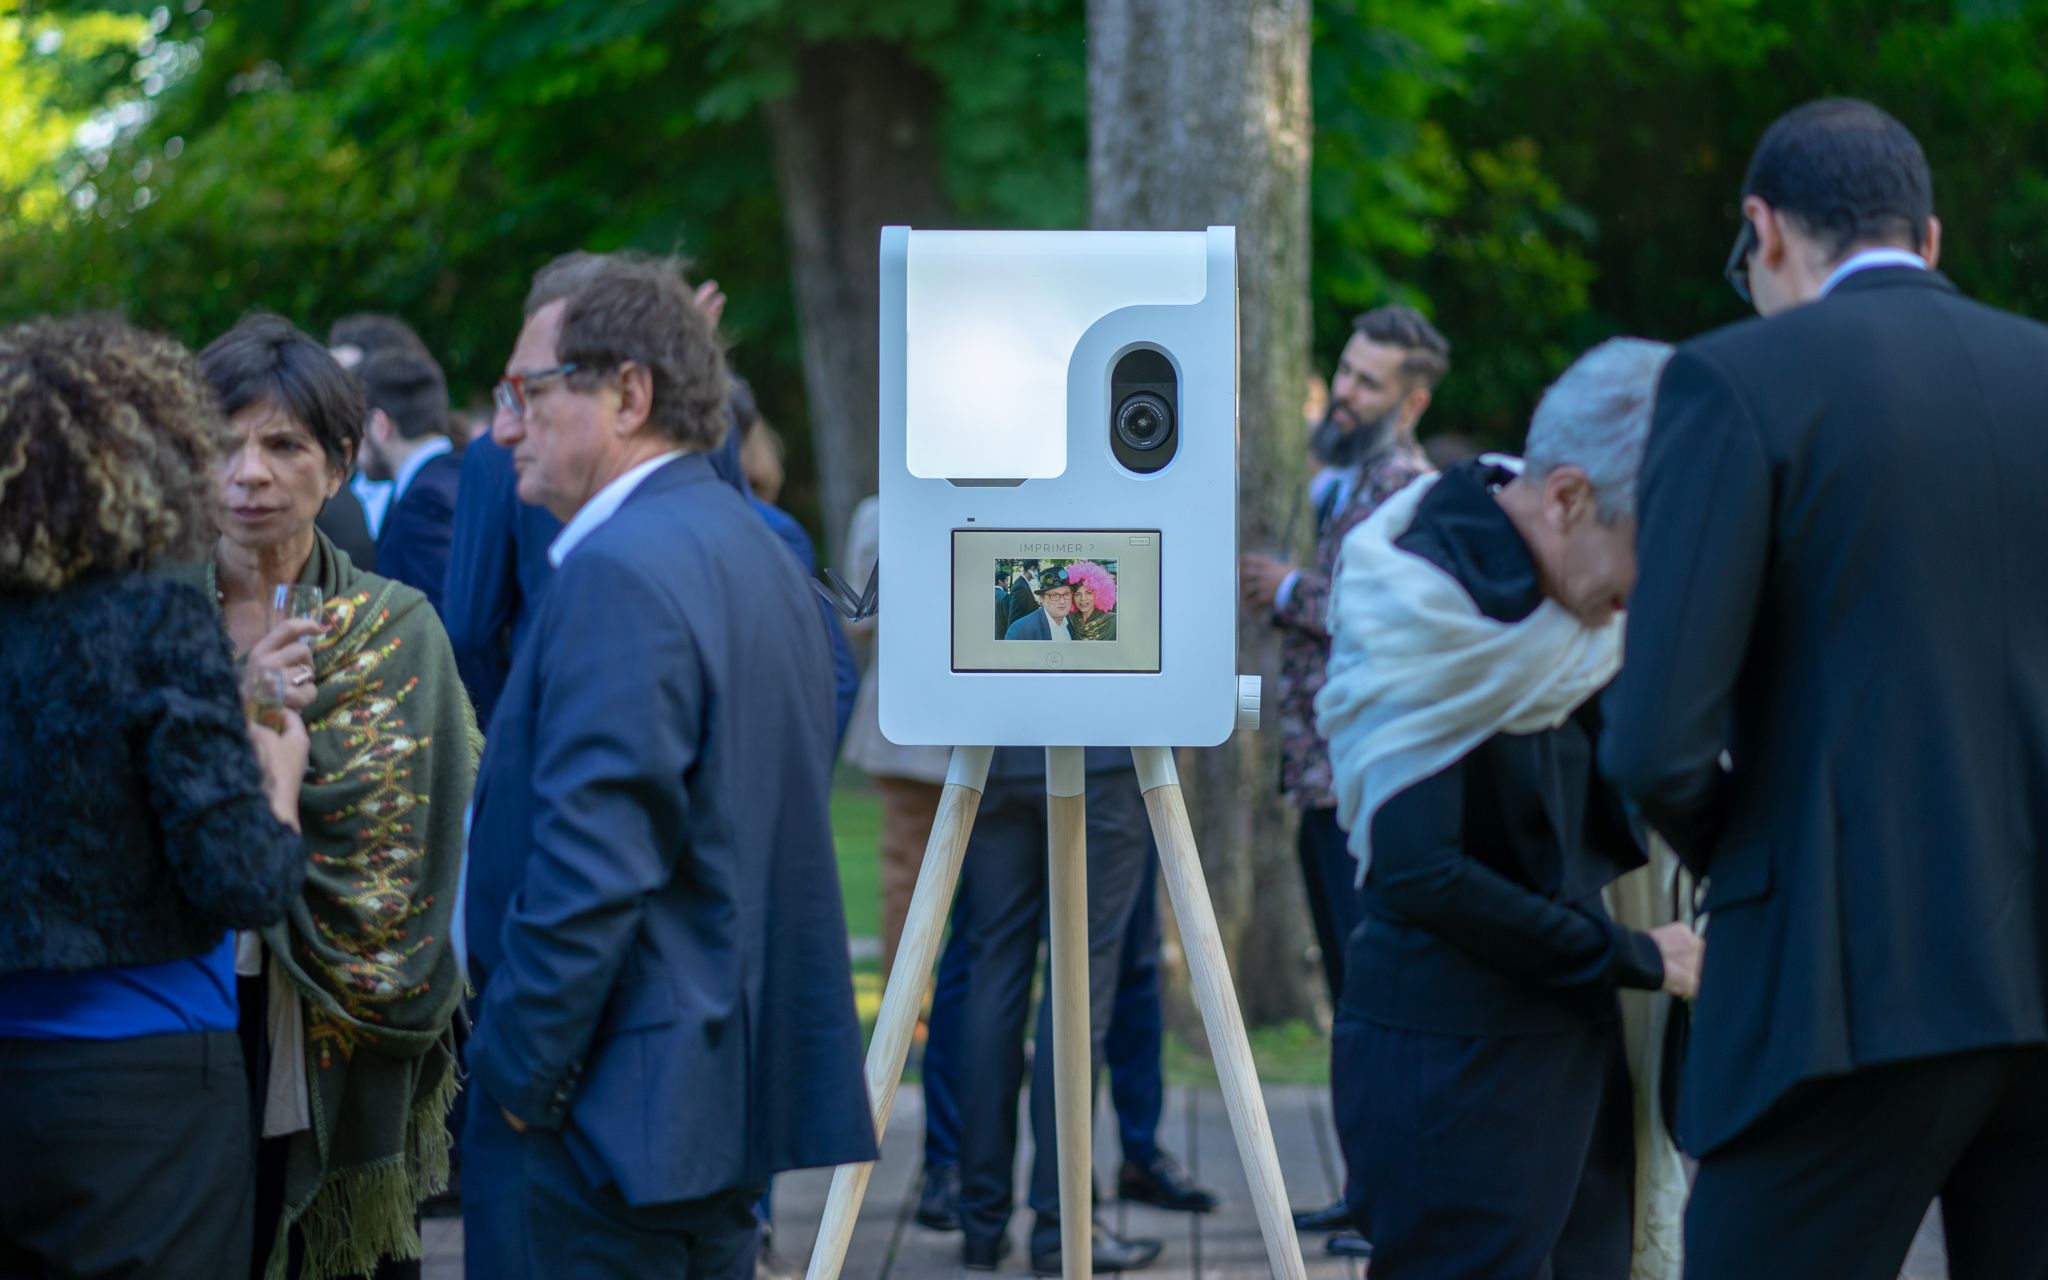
{"x": 1225, "y": 1245}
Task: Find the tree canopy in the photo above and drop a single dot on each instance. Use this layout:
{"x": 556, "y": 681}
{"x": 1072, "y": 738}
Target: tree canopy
{"x": 1536, "y": 175}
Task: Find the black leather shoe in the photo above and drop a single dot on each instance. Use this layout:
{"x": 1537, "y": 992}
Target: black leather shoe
{"x": 1331, "y": 1217}
{"x": 985, "y": 1255}
{"x": 938, "y": 1201}
{"x": 1160, "y": 1181}
{"x": 1348, "y": 1244}
{"x": 1112, "y": 1253}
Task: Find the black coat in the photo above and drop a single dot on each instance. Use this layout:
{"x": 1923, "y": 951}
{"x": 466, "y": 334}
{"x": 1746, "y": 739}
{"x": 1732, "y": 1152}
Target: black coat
{"x": 347, "y": 526}
{"x": 413, "y": 546}
{"x": 133, "y": 824}
{"x": 1482, "y": 913}
{"x": 1844, "y": 525}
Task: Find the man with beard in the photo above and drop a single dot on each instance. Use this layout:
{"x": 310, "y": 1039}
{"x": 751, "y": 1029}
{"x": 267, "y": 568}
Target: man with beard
{"x": 1365, "y": 450}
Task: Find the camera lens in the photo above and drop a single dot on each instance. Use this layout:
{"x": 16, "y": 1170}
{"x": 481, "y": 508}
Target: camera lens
{"x": 1143, "y": 421}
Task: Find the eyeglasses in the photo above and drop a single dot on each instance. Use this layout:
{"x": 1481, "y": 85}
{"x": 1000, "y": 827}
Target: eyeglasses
{"x": 1737, "y": 270}
{"x": 510, "y": 393}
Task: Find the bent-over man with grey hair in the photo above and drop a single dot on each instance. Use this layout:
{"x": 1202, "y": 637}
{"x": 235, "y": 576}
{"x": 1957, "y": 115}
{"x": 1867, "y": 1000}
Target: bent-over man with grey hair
{"x": 1476, "y": 615}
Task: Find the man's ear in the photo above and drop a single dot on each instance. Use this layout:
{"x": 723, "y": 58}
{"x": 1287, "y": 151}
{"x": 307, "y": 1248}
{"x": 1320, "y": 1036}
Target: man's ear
{"x": 1415, "y": 404}
{"x": 1567, "y": 497}
{"x": 1930, "y": 245}
{"x": 636, "y": 397}
{"x": 381, "y": 427}
{"x": 1771, "y": 247}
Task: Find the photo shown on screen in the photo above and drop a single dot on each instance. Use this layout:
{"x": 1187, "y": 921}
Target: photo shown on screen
{"x": 1055, "y": 600}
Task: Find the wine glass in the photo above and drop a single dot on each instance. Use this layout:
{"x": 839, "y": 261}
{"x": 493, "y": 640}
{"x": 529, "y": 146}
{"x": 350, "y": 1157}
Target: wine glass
{"x": 295, "y": 601}
{"x": 262, "y": 692}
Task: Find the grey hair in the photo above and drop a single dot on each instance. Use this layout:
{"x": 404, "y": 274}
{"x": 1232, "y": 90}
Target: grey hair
{"x": 1596, "y": 417}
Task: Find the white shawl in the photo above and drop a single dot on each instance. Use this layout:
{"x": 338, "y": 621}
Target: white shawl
{"x": 1419, "y": 677}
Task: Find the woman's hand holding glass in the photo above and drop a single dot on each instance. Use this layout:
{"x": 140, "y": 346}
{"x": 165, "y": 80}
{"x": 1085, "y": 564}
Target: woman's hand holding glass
{"x": 287, "y": 650}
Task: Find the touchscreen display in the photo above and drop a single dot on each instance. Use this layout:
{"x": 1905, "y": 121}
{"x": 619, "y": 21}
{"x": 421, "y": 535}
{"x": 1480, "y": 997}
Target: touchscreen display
{"x": 1056, "y": 601}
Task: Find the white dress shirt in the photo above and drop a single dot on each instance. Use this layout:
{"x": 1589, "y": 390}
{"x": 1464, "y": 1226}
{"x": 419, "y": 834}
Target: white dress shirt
{"x": 1868, "y": 259}
{"x": 603, "y": 507}
{"x": 421, "y": 456}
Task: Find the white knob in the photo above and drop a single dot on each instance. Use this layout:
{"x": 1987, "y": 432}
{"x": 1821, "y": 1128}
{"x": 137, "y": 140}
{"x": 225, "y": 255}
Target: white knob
{"x": 1248, "y": 703}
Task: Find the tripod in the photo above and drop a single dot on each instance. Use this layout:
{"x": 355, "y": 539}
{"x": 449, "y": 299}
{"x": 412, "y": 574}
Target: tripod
{"x": 1073, "y": 1095}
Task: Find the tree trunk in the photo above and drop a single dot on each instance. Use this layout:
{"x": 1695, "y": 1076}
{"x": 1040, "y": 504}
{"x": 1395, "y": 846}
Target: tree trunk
{"x": 856, "y": 149}
{"x": 1199, "y": 116}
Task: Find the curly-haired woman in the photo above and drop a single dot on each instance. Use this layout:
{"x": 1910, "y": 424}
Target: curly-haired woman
{"x": 1094, "y": 601}
{"x": 349, "y": 1003}
{"x": 137, "y": 826}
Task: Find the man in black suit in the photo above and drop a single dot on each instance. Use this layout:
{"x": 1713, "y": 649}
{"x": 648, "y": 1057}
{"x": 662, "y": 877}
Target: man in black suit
{"x": 1835, "y": 706}
{"x": 406, "y": 443}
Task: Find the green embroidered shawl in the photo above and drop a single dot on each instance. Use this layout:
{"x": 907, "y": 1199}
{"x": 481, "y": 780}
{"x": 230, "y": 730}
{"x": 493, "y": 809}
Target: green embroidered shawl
{"x": 394, "y": 756}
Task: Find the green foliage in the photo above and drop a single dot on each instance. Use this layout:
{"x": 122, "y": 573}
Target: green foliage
{"x": 1536, "y": 174}
{"x": 1644, "y": 112}
{"x": 1478, "y": 238}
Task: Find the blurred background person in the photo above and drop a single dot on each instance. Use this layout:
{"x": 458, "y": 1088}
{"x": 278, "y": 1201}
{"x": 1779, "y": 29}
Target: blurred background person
{"x": 1365, "y": 451}
{"x": 1475, "y": 618}
{"x": 744, "y": 413}
{"x": 909, "y": 779}
{"x": 348, "y": 1005}
{"x": 761, "y": 457}
{"x": 405, "y": 442}
{"x": 137, "y": 826}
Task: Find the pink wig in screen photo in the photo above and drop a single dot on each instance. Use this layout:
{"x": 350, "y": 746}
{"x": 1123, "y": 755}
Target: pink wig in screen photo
{"x": 1097, "y": 579}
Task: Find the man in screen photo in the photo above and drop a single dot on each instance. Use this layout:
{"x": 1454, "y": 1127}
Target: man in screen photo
{"x": 1049, "y": 620}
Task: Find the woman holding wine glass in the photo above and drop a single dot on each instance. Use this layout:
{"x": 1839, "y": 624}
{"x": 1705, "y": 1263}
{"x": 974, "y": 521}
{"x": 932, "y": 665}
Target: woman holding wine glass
{"x": 138, "y": 828}
{"x": 348, "y": 1005}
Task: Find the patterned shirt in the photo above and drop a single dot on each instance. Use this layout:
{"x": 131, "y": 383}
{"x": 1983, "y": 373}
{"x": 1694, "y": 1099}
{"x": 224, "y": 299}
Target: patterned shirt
{"x": 1302, "y": 617}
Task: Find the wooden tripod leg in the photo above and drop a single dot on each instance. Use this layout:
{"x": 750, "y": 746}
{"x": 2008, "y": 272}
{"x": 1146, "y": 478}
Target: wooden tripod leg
{"x": 1073, "y": 1095}
{"x": 1228, "y": 1043}
{"x": 930, "y": 902}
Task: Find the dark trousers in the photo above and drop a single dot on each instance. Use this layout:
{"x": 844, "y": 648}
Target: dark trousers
{"x": 1005, "y": 923}
{"x": 1136, "y": 1043}
{"x": 1133, "y": 1050}
{"x": 1835, "y": 1179}
{"x": 941, "y": 1069}
{"x": 125, "y": 1158}
{"x": 529, "y": 1213}
{"x": 1328, "y": 872}
{"x": 1496, "y": 1156}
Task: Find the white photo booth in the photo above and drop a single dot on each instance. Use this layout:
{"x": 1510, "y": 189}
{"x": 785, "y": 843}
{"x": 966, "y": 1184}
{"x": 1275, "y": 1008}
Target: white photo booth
{"x": 1064, "y": 403}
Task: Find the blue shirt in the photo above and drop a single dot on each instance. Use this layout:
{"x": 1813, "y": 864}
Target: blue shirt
{"x": 177, "y": 996}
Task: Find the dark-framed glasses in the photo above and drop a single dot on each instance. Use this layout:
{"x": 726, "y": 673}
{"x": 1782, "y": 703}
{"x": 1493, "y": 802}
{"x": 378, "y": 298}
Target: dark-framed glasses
{"x": 1737, "y": 270}
{"x": 510, "y": 393}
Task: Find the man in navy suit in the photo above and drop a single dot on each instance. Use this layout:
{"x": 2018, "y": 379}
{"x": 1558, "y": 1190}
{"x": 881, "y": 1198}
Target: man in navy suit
{"x": 406, "y": 443}
{"x": 497, "y": 571}
{"x": 652, "y": 914}
{"x": 1049, "y": 620}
